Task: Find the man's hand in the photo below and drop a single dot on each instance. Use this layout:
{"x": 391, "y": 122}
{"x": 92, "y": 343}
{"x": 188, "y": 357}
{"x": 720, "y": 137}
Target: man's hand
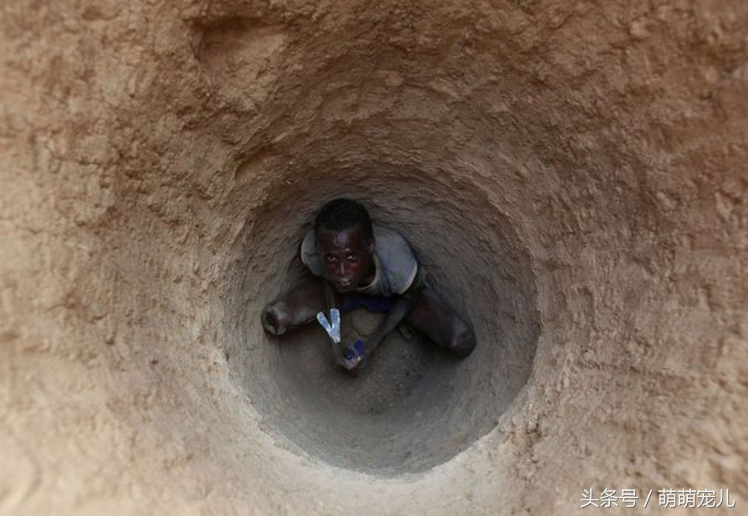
{"x": 351, "y": 364}
{"x": 353, "y": 357}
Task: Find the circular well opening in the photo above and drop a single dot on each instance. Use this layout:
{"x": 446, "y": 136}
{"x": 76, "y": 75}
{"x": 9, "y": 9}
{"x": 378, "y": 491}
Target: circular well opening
{"x": 414, "y": 406}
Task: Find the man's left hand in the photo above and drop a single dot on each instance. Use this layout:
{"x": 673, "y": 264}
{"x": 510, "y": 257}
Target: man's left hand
{"x": 351, "y": 364}
{"x": 357, "y": 358}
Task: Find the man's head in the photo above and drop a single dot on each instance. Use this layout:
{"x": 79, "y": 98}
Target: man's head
{"x": 345, "y": 243}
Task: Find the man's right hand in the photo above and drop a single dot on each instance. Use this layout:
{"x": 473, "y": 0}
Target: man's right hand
{"x": 353, "y": 357}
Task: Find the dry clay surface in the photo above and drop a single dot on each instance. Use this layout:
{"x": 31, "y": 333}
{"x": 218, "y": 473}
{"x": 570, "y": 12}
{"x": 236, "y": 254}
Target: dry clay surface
{"x": 572, "y": 173}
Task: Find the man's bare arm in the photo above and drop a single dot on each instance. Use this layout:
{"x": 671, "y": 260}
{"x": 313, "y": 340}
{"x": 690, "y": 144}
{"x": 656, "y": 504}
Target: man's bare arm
{"x": 394, "y": 317}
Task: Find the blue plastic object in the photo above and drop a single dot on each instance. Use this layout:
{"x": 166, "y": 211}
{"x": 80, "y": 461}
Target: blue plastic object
{"x": 354, "y": 351}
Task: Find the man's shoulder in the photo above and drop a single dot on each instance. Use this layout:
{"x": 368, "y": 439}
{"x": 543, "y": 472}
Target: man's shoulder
{"x": 309, "y": 242}
{"x": 309, "y": 255}
{"x": 397, "y": 258}
{"x": 386, "y": 237}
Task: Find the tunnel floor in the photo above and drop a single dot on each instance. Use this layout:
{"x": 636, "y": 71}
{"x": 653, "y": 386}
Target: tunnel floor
{"x": 384, "y": 420}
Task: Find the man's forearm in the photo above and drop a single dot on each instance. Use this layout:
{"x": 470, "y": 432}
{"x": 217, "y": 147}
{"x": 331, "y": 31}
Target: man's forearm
{"x": 394, "y": 317}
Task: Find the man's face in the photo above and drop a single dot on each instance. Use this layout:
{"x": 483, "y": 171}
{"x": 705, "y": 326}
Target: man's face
{"x": 347, "y": 257}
